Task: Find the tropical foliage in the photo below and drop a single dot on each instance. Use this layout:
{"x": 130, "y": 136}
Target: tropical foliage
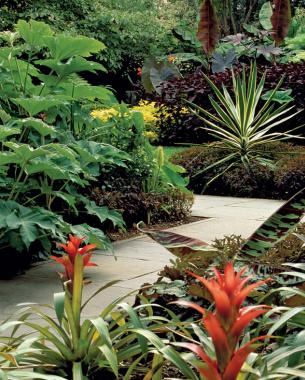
{"x": 46, "y": 165}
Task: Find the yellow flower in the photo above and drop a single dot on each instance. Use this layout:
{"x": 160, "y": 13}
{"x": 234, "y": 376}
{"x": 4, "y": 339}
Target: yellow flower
{"x": 152, "y": 136}
{"x": 148, "y": 111}
{"x": 104, "y": 114}
{"x": 171, "y": 58}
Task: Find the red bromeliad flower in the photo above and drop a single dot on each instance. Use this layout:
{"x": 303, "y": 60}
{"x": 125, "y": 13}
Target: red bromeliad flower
{"x": 139, "y": 72}
{"x": 226, "y": 324}
{"x": 73, "y": 248}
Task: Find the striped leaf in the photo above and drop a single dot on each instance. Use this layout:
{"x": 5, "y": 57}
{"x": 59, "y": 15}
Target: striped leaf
{"x": 179, "y": 245}
{"x": 277, "y": 227}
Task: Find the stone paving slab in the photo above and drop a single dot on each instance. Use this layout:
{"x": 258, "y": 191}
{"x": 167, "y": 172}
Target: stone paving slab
{"x": 139, "y": 259}
{"x": 237, "y": 208}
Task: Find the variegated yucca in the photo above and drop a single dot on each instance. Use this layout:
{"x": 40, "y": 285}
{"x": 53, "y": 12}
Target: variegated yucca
{"x": 242, "y": 124}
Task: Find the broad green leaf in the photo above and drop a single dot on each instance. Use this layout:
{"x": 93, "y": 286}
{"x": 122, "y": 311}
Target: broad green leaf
{"x": 250, "y": 28}
{"x": 62, "y": 46}
{"x": 9, "y": 158}
{"x": 37, "y": 104}
{"x": 24, "y": 151}
{"x": 72, "y": 65}
{"x": 222, "y": 62}
{"x": 265, "y": 14}
{"x": 103, "y": 213}
{"x": 94, "y": 235}
{"x": 39, "y": 125}
{"x": 281, "y": 97}
{"x": 48, "y": 168}
{"x": 25, "y": 225}
{"x": 33, "y": 32}
{"x": 174, "y": 178}
{"x": 4, "y": 116}
{"x": 78, "y": 92}
{"x": 7, "y": 131}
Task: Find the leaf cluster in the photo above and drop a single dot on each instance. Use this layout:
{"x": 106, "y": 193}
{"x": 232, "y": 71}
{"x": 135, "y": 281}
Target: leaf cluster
{"x": 48, "y": 154}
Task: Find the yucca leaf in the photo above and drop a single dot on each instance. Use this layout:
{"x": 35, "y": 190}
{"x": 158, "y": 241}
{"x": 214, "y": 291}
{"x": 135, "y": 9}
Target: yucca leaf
{"x": 276, "y": 227}
{"x": 283, "y": 355}
{"x": 284, "y": 318}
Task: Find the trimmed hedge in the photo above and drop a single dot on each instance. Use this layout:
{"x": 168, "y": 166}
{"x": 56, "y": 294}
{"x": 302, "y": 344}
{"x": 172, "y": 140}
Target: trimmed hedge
{"x": 260, "y": 181}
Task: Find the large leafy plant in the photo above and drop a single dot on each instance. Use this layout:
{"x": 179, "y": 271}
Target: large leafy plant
{"x": 46, "y": 165}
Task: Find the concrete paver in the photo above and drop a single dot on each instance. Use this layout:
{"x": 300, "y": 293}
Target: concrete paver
{"x": 138, "y": 260}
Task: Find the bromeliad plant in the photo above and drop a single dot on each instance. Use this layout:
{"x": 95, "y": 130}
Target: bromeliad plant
{"x": 119, "y": 343}
{"x": 226, "y": 324}
{"x": 72, "y": 248}
{"x": 241, "y": 125}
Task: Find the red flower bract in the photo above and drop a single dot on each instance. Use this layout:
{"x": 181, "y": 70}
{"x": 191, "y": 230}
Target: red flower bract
{"x": 72, "y": 248}
{"x": 226, "y": 324}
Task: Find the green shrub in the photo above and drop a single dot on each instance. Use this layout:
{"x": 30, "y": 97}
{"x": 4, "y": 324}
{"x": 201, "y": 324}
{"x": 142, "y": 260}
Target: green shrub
{"x": 290, "y": 174}
{"x": 49, "y": 157}
{"x": 131, "y": 30}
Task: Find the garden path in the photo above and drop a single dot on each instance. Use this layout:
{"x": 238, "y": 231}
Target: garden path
{"x": 138, "y": 259}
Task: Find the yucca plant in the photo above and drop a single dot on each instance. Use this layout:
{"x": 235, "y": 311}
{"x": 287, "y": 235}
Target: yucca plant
{"x": 240, "y": 124}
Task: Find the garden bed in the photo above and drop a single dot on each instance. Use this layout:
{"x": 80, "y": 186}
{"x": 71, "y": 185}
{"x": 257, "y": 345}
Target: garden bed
{"x": 280, "y": 180}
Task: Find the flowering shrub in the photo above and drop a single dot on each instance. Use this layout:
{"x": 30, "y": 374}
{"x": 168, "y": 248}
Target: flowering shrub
{"x": 147, "y": 109}
{"x": 226, "y": 324}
